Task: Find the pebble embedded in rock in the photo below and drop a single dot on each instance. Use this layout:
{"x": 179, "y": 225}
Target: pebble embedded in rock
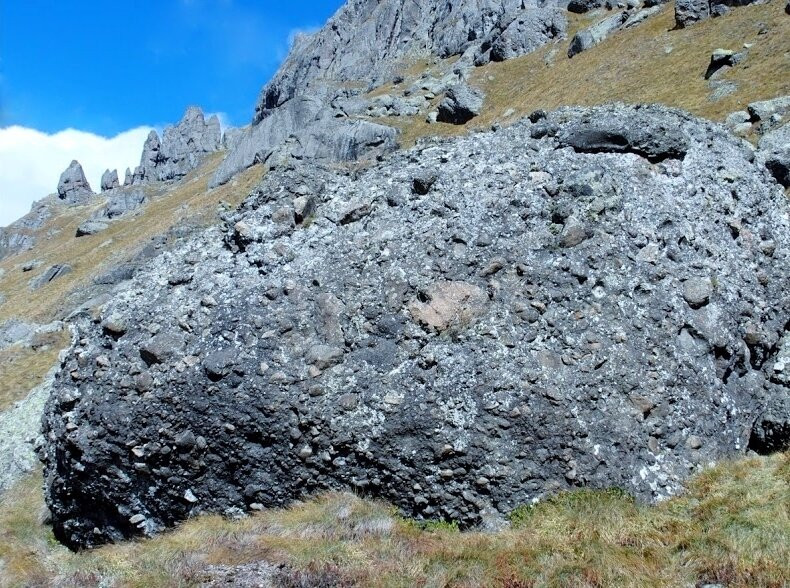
{"x": 697, "y": 292}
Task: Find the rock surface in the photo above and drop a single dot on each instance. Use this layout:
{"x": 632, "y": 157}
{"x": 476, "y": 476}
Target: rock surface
{"x": 109, "y": 180}
{"x": 367, "y": 40}
{"x": 528, "y": 30}
{"x": 49, "y": 275}
{"x": 689, "y": 12}
{"x": 460, "y": 105}
{"x": 91, "y": 227}
{"x": 124, "y": 201}
{"x": 73, "y": 187}
{"x": 573, "y": 301}
{"x": 181, "y": 149}
{"x": 304, "y": 127}
{"x": 593, "y": 35}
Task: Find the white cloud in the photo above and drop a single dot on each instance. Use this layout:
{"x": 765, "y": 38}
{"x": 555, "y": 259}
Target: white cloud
{"x": 31, "y": 162}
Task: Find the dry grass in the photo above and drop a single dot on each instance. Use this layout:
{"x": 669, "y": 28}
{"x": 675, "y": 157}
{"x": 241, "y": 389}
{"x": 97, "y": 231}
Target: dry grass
{"x": 635, "y": 66}
{"x": 731, "y": 527}
{"x": 188, "y": 201}
{"x": 23, "y": 367}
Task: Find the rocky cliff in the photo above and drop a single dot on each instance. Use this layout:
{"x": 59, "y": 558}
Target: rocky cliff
{"x": 312, "y": 106}
{"x": 593, "y": 297}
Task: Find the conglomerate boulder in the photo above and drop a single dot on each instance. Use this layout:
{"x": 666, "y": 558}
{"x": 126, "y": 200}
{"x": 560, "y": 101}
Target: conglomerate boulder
{"x": 593, "y": 297}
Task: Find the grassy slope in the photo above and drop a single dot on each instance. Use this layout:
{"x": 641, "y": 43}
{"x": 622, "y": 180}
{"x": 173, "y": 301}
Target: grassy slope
{"x": 634, "y": 66}
{"x": 731, "y": 527}
{"x": 187, "y": 201}
{"x": 23, "y": 368}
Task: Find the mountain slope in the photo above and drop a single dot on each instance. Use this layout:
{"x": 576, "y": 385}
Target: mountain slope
{"x": 326, "y": 118}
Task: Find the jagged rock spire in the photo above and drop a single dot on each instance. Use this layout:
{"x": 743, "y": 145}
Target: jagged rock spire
{"x": 109, "y": 180}
{"x": 73, "y": 186}
{"x": 181, "y": 148}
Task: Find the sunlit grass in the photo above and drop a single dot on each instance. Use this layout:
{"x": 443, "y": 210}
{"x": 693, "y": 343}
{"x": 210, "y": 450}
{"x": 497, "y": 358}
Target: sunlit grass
{"x": 732, "y": 527}
{"x": 649, "y": 63}
{"x": 188, "y": 201}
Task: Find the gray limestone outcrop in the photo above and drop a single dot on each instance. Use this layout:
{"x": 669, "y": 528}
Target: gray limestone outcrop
{"x": 521, "y": 33}
{"x": 91, "y": 227}
{"x": 124, "y": 201}
{"x": 304, "y": 127}
{"x": 50, "y": 275}
{"x": 109, "y": 180}
{"x": 367, "y": 39}
{"x": 20, "y": 235}
{"x": 73, "y": 187}
{"x": 590, "y": 298}
{"x": 181, "y": 149}
{"x": 591, "y": 36}
{"x": 689, "y": 12}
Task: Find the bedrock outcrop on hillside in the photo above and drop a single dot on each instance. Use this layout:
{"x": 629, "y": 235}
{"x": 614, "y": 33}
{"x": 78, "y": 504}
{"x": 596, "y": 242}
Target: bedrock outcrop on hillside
{"x": 313, "y": 106}
{"x": 595, "y": 297}
{"x": 180, "y": 150}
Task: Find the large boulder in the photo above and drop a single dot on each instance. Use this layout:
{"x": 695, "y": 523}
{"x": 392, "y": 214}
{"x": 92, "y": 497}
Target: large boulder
{"x": 73, "y": 187}
{"x": 461, "y": 104}
{"x": 91, "y": 227}
{"x": 688, "y": 12}
{"x": 558, "y": 304}
{"x": 591, "y": 36}
{"x": 527, "y": 31}
{"x": 124, "y": 201}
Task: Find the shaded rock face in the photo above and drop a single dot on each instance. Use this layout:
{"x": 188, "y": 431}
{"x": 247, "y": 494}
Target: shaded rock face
{"x": 181, "y": 149}
{"x": 548, "y": 311}
{"x": 461, "y": 104}
{"x": 73, "y": 187}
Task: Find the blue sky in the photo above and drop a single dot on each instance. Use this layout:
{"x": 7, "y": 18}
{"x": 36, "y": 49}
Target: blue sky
{"x": 105, "y": 67}
{"x": 87, "y": 80}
